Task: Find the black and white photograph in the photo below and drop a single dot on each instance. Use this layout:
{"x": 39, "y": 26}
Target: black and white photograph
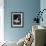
{"x": 17, "y": 19}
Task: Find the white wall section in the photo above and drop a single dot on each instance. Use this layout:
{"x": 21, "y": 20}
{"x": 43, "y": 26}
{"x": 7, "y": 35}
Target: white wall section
{"x": 1, "y": 20}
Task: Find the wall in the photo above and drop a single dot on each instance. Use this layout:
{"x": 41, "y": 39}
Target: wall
{"x": 29, "y": 7}
{"x": 43, "y": 6}
{"x": 1, "y": 20}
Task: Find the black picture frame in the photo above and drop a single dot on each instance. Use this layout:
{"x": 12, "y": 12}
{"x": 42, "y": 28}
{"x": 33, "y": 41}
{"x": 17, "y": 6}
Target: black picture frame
{"x": 17, "y": 19}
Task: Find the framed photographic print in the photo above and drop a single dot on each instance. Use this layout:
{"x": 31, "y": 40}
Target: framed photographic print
{"x": 17, "y": 19}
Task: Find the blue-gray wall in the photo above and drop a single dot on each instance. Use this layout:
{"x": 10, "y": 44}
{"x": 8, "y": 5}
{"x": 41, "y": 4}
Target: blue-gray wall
{"x": 43, "y": 6}
{"x": 29, "y": 7}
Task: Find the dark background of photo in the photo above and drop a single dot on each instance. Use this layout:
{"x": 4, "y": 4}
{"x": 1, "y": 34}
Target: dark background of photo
{"x": 15, "y": 16}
